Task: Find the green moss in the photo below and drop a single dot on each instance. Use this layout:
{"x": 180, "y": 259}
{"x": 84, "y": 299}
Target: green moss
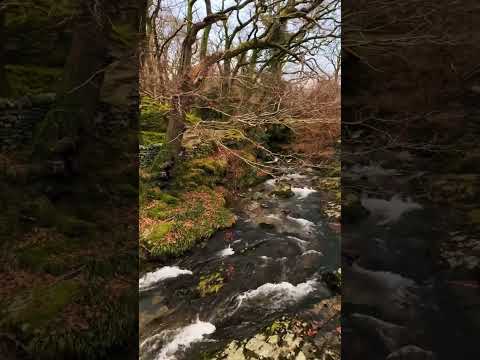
{"x": 195, "y": 216}
{"x": 234, "y": 139}
{"x": 158, "y": 233}
{"x": 125, "y": 34}
{"x": 201, "y": 172}
{"x": 329, "y": 183}
{"x": 39, "y": 13}
{"x": 47, "y": 215}
{"x": 277, "y": 327}
{"x": 283, "y": 191}
{"x": 153, "y": 115}
{"x": 51, "y": 339}
{"x": 151, "y": 137}
{"x": 150, "y": 192}
{"x": 32, "y": 80}
{"x": 37, "y": 308}
{"x": 168, "y": 199}
{"x": 73, "y": 226}
{"x": 59, "y": 125}
{"x": 192, "y": 118}
{"x": 210, "y": 284}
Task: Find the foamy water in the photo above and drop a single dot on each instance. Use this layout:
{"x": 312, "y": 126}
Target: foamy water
{"x": 391, "y": 280}
{"x": 390, "y": 210}
{"x": 278, "y": 295}
{"x": 312, "y": 252}
{"x": 177, "y": 340}
{"x": 294, "y": 176}
{"x": 304, "y": 223}
{"x": 302, "y": 193}
{"x": 163, "y": 273}
{"x": 226, "y": 252}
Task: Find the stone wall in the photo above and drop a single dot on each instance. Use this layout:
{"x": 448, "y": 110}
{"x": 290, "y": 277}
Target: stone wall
{"x": 19, "y": 117}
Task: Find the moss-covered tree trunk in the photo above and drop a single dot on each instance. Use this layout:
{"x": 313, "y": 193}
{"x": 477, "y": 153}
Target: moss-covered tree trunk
{"x": 68, "y": 123}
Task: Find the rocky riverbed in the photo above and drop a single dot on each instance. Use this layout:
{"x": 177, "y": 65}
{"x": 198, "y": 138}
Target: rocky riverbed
{"x": 266, "y": 288}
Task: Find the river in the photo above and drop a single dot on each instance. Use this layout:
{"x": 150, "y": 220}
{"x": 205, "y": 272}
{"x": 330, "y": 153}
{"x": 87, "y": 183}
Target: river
{"x": 268, "y": 265}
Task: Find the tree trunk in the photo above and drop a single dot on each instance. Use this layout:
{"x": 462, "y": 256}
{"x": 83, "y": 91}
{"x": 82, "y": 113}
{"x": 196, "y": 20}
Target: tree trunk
{"x": 181, "y": 103}
{"x": 4, "y": 87}
{"x": 227, "y": 77}
{"x": 79, "y": 91}
{"x": 206, "y": 32}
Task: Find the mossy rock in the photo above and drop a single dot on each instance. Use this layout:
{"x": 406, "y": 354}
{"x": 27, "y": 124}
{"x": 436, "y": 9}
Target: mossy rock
{"x": 147, "y": 138}
{"x": 47, "y": 215}
{"x": 59, "y": 125}
{"x": 283, "y": 191}
{"x": 153, "y": 115}
{"x": 192, "y": 118}
{"x": 234, "y": 139}
{"x": 195, "y": 216}
{"x": 278, "y": 327}
{"x": 158, "y": 232}
{"x": 149, "y": 193}
{"x": 208, "y": 171}
{"x": 210, "y": 284}
{"x": 31, "y": 79}
{"x": 329, "y": 183}
{"x": 277, "y": 135}
{"x": 125, "y": 34}
{"x": 333, "y": 280}
{"x": 34, "y": 310}
{"x": 51, "y": 256}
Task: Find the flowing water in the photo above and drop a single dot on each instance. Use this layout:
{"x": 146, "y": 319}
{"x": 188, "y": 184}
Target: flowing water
{"x": 398, "y": 295}
{"x": 271, "y": 263}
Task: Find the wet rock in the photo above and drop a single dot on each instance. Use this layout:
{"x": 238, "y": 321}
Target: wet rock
{"x": 274, "y": 339}
{"x": 352, "y": 209}
{"x": 257, "y": 196}
{"x": 292, "y": 342}
{"x": 281, "y": 340}
{"x": 411, "y": 352}
{"x": 333, "y": 280}
{"x": 453, "y": 188}
{"x": 391, "y": 335}
{"x": 461, "y": 251}
{"x": 301, "y": 356}
{"x": 234, "y": 351}
{"x": 266, "y": 226}
{"x": 260, "y": 347}
{"x": 392, "y": 295}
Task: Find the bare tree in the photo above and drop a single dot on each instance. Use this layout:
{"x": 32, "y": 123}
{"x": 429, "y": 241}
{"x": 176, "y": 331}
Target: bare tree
{"x": 266, "y": 34}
